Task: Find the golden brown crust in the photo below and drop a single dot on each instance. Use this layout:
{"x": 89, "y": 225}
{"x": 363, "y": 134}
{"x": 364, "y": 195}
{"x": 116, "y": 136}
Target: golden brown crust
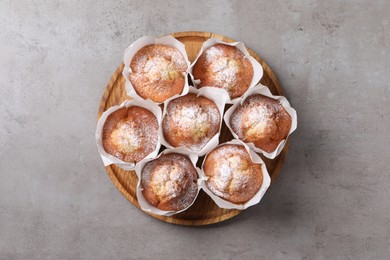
{"x": 191, "y": 122}
{"x": 157, "y": 72}
{"x": 130, "y": 134}
{"x": 262, "y": 121}
{"x": 169, "y": 182}
{"x": 224, "y": 66}
{"x": 232, "y": 174}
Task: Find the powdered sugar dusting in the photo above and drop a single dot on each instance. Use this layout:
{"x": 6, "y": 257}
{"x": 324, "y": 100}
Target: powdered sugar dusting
{"x": 259, "y": 117}
{"x": 192, "y": 122}
{"x": 226, "y": 67}
{"x": 225, "y": 70}
{"x": 126, "y": 136}
{"x": 157, "y": 68}
{"x": 155, "y": 55}
{"x": 232, "y": 173}
{"x": 131, "y": 134}
{"x": 259, "y": 121}
{"x": 193, "y": 119}
{"x": 155, "y": 64}
{"x": 230, "y": 168}
{"x": 172, "y": 178}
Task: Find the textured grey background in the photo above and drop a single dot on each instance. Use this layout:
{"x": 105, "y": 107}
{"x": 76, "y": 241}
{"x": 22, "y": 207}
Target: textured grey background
{"x": 332, "y": 199}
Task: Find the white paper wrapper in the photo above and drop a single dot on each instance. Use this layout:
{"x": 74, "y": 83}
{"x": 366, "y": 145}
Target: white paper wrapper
{"x": 257, "y": 68}
{"x": 144, "y": 204}
{"x": 109, "y": 159}
{"x": 219, "y": 96}
{"x": 142, "y": 42}
{"x": 256, "y": 198}
{"x": 263, "y": 90}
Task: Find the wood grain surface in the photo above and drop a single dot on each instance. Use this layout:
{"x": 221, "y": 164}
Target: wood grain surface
{"x": 204, "y": 211}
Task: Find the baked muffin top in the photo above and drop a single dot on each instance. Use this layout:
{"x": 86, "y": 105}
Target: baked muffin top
{"x": 224, "y": 66}
{"x": 191, "y": 121}
{"x": 169, "y": 182}
{"x": 157, "y": 72}
{"x": 262, "y": 121}
{"x": 130, "y": 134}
{"x": 232, "y": 174}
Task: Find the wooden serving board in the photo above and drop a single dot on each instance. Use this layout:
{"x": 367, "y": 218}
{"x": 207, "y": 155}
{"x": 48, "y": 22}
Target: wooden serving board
{"x": 204, "y": 211}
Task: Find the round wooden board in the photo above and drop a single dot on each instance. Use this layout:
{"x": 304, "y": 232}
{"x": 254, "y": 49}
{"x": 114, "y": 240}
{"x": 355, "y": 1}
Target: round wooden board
{"x": 204, "y": 211}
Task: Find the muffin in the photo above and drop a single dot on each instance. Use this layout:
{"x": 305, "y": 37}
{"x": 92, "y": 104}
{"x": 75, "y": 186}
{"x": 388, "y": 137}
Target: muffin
{"x": 224, "y": 66}
{"x": 169, "y": 182}
{"x": 232, "y": 174}
{"x": 191, "y": 121}
{"x": 262, "y": 121}
{"x": 130, "y": 134}
{"x": 157, "y": 72}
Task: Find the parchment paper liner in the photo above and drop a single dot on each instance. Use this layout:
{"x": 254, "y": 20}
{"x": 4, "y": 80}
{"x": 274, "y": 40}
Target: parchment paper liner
{"x": 142, "y": 42}
{"x": 257, "y": 68}
{"x": 219, "y": 97}
{"x": 144, "y": 204}
{"x": 263, "y": 90}
{"x": 256, "y": 198}
{"x": 109, "y": 159}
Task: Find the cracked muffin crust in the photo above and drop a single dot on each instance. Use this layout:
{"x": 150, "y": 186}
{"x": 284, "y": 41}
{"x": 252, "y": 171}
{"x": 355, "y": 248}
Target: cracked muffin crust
{"x": 130, "y": 134}
{"x": 169, "y": 182}
{"x": 262, "y": 121}
{"x": 232, "y": 174}
{"x": 224, "y": 66}
{"x": 157, "y": 72}
{"x": 191, "y": 122}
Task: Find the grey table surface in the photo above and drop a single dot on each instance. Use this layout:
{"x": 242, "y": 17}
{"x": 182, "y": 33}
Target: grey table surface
{"x": 332, "y": 199}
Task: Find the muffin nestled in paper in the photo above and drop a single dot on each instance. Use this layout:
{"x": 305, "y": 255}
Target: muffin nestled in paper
{"x": 262, "y": 120}
{"x": 168, "y": 184}
{"x": 234, "y": 176}
{"x": 193, "y": 121}
{"x": 128, "y": 133}
{"x": 156, "y": 69}
{"x": 227, "y": 66}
